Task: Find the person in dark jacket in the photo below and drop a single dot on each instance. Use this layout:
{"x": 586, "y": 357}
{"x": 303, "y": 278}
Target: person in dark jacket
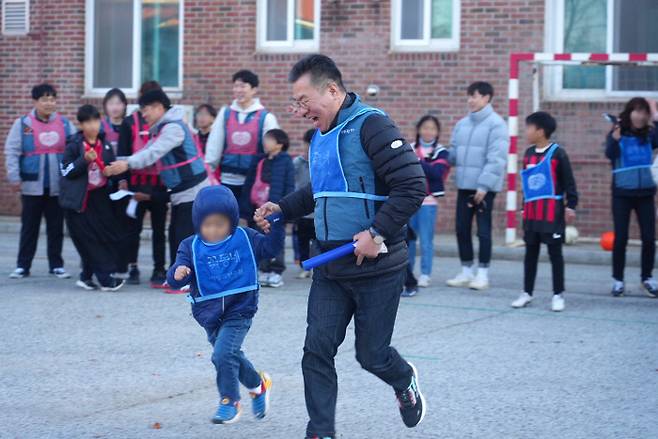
{"x": 366, "y": 182}
{"x": 434, "y": 160}
{"x": 629, "y": 148}
{"x": 151, "y": 194}
{"x": 204, "y": 117}
{"x": 84, "y": 196}
{"x": 220, "y": 263}
{"x": 303, "y": 232}
{"x": 271, "y": 177}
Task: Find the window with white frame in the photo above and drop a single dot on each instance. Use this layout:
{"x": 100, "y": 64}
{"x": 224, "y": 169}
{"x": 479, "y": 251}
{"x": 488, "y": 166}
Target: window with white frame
{"x": 602, "y": 26}
{"x": 425, "y": 25}
{"x": 132, "y": 41}
{"x": 288, "y": 25}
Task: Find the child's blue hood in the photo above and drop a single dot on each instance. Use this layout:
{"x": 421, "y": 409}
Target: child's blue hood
{"x": 215, "y": 199}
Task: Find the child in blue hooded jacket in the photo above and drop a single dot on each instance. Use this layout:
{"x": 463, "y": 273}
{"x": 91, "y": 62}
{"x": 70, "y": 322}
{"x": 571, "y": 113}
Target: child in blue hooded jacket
{"x": 220, "y": 262}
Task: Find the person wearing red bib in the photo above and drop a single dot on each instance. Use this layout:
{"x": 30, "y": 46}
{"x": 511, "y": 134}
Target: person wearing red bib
{"x": 33, "y": 150}
{"x": 236, "y": 136}
{"x": 151, "y": 194}
{"x": 114, "y": 108}
{"x": 87, "y": 207}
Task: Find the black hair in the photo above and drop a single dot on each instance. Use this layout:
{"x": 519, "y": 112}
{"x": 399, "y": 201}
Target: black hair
{"x": 148, "y": 86}
{"x": 279, "y": 137}
{"x": 209, "y": 108}
{"x": 484, "y": 88}
{"x": 543, "y": 121}
{"x": 44, "y": 89}
{"x": 118, "y": 93}
{"x": 625, "y": 123}
{"x": 87, "y": 112}
{"x": 153, "y": 96}
{"x": 246, "y": 76}
{"x": 422, "y": 121}
{"x": 308, "y": 135}
{"x": 321, "y": 68}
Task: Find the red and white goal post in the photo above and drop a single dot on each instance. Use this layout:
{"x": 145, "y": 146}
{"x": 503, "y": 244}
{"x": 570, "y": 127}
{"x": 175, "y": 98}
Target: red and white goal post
{"x": 515, "y": 60}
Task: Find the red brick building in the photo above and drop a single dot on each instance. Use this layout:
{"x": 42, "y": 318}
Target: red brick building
{"x": 421, "y": 54}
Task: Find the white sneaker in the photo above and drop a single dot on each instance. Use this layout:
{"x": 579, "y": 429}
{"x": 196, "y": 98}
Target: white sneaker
{"x": 263, "y": 278}
{"x": 424, "y": 281}
{"x": 304, "y": 274}
{"x": 60, "y": 273}
{"x": 480, "y": 282}
{"x": 274, "y": 280}
{"x": 461, "y": 280}
{"x": 523, "y": 300}
{"x": 18, "y": 273}
{"x": 557, "y": 303}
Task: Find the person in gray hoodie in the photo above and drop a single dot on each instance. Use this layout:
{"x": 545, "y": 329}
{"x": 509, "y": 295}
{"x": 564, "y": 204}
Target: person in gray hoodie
{"x": 173, "y": 150}
{"x": 33, "y": 151}
{"x": 480, "y": 143}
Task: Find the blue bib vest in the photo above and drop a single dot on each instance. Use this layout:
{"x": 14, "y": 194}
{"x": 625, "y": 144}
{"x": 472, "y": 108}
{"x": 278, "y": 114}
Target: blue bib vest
{"x": 538, "y": 181}
{"x": 342, "y": 177}
{"x": 30, "y": 160}
{"x": 632, "y": 170}
{"x": 182, "y": 164}
{"x": 224, "y": 268}
{"x": 240, "y": 163}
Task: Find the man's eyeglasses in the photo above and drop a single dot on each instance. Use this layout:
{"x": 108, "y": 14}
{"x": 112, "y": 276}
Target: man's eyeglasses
{"x": 299, "y": 104}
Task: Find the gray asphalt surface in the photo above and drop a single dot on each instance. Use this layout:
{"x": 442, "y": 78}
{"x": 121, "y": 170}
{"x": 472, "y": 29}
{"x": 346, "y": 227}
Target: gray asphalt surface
{"x": 77, "y": 364}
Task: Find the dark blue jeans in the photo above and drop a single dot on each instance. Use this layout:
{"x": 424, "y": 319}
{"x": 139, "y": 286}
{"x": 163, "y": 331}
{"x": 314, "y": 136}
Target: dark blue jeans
{"x": 230, "y": 362}
{"x": 373, "y": 302}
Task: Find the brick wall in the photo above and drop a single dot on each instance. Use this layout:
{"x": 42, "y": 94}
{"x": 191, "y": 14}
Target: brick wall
{"x": 220, "y": 38}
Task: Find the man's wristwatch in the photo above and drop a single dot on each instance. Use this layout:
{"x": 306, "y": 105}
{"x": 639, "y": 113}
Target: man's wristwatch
{"x": 376, "y": 236}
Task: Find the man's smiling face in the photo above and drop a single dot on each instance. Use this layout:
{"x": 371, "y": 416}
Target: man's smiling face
{"x": 319, "y": 104}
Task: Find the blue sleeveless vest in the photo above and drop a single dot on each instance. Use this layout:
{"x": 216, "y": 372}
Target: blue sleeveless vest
{"x": 183, "y": 164}
{"x": 538, "y": 181}
{"x": 224, "y": 268}
{"x": 342, "y": 177}
{"x": 632, "y": 170}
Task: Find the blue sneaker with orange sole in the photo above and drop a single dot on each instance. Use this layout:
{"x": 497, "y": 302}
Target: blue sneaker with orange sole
{"x": 228, "y": 412}
{"x": 260, "y": 402}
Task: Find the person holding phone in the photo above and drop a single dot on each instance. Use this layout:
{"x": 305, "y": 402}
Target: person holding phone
{"x": 629, "y": 147}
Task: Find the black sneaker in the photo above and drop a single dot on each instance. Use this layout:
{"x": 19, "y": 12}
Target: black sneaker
{"x": 113, "y": 285}
{"x": 412, "y": 402}
{"x": 617, "y": 289}
{"x": 87, "y": 284}
{"x": 158, "y": 278}
{"x": 133, "y": 276}
{"x": 650, "y": 287}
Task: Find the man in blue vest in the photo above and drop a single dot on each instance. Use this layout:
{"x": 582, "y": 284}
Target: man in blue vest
{"x": 366, "y": 182}
{"x": 33, "y": 152}
{"x": 180, "y": 163}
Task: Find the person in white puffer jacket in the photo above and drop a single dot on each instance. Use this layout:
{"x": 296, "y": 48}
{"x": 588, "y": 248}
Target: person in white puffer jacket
{"x": 480, "y": 143}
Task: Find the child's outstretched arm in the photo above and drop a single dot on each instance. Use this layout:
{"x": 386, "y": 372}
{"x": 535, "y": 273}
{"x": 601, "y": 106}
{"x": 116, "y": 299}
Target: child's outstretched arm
{"x": 181, "y": 272}
{"x": 268, "y": 246}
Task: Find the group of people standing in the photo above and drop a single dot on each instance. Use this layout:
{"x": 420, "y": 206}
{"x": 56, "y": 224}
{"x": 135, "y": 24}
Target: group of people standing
{"x": 156, "y": 159}
{"x": 478, "y": 151}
